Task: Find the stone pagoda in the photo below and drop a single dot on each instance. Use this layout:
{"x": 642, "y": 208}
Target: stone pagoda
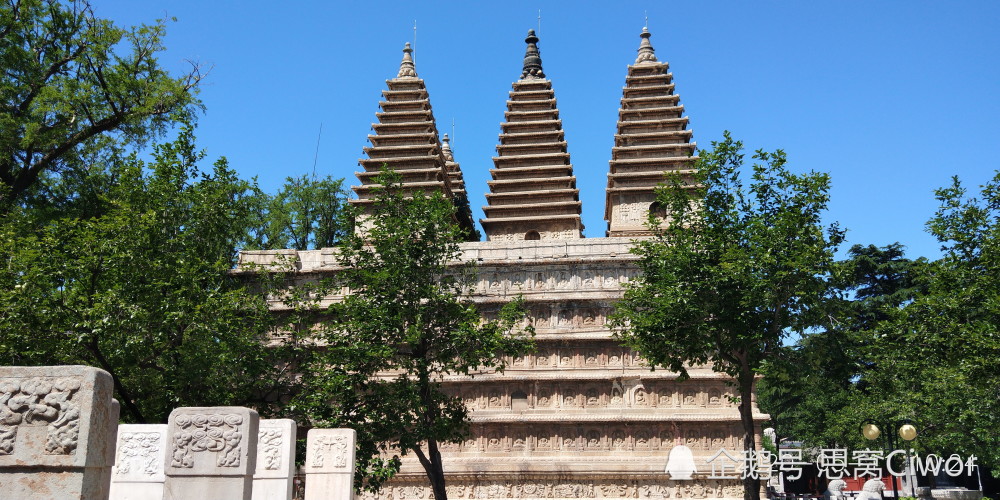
{"x": 533, "y": 194}
{"x": 583, "y": 417}
{"x": 406, "y": 140}
{"x": 454, "y": 170}
{"x": 652, "y": 140}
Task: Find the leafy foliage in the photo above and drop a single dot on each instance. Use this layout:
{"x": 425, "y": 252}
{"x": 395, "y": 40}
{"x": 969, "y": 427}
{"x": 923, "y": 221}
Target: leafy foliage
{"x": 141, "y": 287}
{"x": 72, "y": 83}
{"x": 937, "y": 359}
{"x": 916, "y": 340}
{"x": 732, "y": 270}
{"x": 304, "y": 214}
{"x": 808, "y": 389}
{"x": 406, "y": 325}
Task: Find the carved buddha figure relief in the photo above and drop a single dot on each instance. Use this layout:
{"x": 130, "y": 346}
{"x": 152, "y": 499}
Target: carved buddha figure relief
{"x": 690, "y": 397}
{"x": 641, "y": 399}
{"x": 714, "y": 398}
{"x": 618, "y": 440}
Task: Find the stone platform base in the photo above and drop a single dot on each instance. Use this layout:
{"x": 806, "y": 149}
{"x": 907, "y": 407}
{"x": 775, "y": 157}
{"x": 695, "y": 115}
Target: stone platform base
{"x": 553, "y": 488}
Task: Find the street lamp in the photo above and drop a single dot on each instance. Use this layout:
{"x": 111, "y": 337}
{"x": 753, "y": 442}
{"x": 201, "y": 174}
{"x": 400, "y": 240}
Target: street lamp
{"x": 905, "y": 430}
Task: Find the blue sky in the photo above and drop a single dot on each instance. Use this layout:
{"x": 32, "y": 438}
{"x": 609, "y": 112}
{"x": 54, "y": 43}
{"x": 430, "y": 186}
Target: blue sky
{"x": 890, "y": 98}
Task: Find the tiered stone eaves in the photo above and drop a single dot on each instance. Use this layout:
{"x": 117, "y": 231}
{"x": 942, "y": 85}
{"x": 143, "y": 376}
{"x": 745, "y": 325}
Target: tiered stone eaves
{"x": 533, "y": 192}
{"x": 406, "y": 140}
{"x": 652, "y": 141}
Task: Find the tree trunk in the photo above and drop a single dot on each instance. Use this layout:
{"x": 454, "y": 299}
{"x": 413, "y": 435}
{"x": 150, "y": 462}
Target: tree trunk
{"x": 433, "y": 468}
{"x": 751, "y": 485}
{"x": 432, "y": 461}
{"x": 437, "y": 474}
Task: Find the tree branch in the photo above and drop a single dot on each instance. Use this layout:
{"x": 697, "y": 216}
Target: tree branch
{"x": 127, "y": 398}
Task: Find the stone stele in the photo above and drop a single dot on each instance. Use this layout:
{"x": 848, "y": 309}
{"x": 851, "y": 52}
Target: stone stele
{"x": 275, "y": 460}
{"x": 330, "y": 464}
{"x": 211, "y": 453}
{"x": 57, "y": 428}
{"x": 138, "y": 470}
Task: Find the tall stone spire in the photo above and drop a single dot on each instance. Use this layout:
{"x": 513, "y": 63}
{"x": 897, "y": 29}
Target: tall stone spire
{"x": 533, "y": 193}
{"x": 652, "y": 140}
{"x": 406, "y": 140}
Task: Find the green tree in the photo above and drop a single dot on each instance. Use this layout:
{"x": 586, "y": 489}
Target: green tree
{"x": 809, "y": 390}
{"x": 142, "y": 287}
{"x": 731, "y": 271}
{"x": 913, "y": 340}
{"x": 936, "y": 360}
{"x": 406, "y": 325}
{"x": 73, "y": 82}
{"x": 304, "y": 214}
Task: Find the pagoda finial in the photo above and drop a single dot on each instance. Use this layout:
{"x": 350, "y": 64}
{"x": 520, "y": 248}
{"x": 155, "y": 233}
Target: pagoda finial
{"x": 446, "y": 148}
{"x": 406, "y": 68}
{"x": 646, "y": 52}
{"x": 532, "y": 59}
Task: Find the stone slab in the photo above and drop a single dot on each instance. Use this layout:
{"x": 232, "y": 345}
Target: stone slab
{"x": 57, "y": 427}
{"x": 138, "y": 471}
{"x": 211, "y": 453}
{"x": 275, "y": 470}
{"x": 329, "y": 464}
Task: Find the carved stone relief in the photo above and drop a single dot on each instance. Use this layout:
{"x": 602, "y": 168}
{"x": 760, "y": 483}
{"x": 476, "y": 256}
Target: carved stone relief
{"x": 582, "y": 487}
{"x": 549, "y": 439}
{"x": 555, "y": 278}
{"x": 690, "y": 398}
{"x": 714, "y": 398}
{"x": 40, "y": 401}
{"x": 269, "y": 445}
{"x": 330, "y": 447}
{"x": 218, "y": 433}
{"x": 138, "y": 453}
{"x": 628, "y": 392}
{"x": 630, "y": 212}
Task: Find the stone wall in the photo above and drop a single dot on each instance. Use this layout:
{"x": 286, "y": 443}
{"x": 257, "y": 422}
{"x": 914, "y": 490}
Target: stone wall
{"x": 582, "y": 417}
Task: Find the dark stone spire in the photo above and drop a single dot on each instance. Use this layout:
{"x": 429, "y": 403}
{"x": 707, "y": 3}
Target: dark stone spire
{"x": 532, "y": 59}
